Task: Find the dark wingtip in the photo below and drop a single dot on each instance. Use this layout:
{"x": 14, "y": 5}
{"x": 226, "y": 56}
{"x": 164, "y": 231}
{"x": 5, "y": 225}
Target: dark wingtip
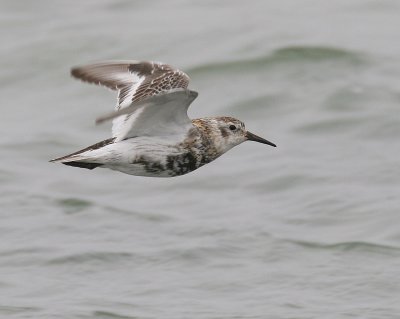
{"x": 75, "y": 72}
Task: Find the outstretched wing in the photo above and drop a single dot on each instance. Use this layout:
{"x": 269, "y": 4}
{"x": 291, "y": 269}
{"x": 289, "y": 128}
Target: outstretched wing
{"x": 164, "y": 114}
{"x": 134, "y": 81}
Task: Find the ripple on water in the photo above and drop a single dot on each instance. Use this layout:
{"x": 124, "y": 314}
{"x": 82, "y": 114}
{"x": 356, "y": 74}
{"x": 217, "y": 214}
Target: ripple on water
{"x": 110, "y": 315}
{"x": 290, "y": 54}
{"x": 316, "y": 53}
{"x": 357, "y": 109}
{"x": 145, "y": 216}
{"x": 358, "y": 246}
{"x": 274, "y": 103}
{"x": 14, "y": 310}
{"x": 91, "y": 257}
{"x": 73, "y": 205}
{"x": 333, "y": 125}
{"x": 283, "y": 183}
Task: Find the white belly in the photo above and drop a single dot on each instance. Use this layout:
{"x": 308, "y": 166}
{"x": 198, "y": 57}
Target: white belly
{"x": 141, "y": 156}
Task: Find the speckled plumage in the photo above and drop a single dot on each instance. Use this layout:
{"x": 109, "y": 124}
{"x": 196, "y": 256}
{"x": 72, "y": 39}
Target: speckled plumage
{"x": 152, "y": 135}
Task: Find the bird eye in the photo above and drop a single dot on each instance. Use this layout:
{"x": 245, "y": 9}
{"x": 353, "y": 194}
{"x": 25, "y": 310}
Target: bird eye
{"x": 232, "y": 127}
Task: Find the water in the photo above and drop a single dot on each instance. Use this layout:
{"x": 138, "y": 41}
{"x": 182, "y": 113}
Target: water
{"x": 307, "y": 230}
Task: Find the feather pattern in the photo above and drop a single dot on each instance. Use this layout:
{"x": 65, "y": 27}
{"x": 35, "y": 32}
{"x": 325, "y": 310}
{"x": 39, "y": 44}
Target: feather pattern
{"x": 134, "y": 80}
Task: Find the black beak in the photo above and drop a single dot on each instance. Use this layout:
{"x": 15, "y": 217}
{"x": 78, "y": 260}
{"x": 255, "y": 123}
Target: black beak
{"x": 255, "y": 138}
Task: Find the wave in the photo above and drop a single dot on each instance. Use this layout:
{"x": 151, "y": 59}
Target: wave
{"x": 290, "y": 54}
{"x": 13, "y": 310}
{"x": 110, "y": 315}
{"x": 74, "y": 205}
{"x": 103, "y": 257}
{"x": 349, "y": 246}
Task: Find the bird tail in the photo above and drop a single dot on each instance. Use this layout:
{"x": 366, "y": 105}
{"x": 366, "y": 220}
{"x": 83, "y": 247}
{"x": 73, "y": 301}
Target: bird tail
{"x": 82, "y": 164}
{"x": 81, "y": 158}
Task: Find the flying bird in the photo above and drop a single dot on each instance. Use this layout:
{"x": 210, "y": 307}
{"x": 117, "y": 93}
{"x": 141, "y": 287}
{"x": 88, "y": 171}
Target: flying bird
{"x": 152, "y": 134}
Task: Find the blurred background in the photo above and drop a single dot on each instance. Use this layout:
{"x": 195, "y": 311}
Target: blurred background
{"x": 307, "y": 230}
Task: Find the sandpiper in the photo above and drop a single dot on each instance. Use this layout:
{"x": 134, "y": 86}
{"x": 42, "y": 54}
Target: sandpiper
{"x": 152, "y": 134}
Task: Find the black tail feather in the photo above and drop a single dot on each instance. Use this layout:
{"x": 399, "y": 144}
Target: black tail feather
{"x": 82, "y": 164}
{"x": 89, "y": 148}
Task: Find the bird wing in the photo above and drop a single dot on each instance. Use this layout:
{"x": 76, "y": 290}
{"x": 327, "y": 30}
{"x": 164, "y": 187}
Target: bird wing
{"x": 164, "y": 114}
{"x": 134, "y": 80}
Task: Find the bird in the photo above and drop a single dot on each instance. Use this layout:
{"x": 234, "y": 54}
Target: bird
{"x": 152, "y": 134}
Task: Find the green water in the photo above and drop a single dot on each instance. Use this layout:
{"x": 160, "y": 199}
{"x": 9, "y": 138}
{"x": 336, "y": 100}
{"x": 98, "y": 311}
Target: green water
{"x": 307, "y": 230}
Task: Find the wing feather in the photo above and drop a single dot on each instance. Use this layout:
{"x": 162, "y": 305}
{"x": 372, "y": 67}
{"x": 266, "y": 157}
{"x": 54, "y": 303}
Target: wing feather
{"x": 160, "y": 115}
{"x": 134, "y": 80}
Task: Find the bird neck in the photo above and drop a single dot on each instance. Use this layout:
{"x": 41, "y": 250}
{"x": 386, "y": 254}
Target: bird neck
{"x": 207, "y": 137}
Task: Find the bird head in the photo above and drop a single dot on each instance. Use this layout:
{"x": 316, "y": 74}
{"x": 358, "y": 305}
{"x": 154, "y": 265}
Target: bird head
{"x": 228, "y": 132}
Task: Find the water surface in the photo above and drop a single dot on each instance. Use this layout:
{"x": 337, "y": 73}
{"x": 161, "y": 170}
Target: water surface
{"x": 307, "y": 230}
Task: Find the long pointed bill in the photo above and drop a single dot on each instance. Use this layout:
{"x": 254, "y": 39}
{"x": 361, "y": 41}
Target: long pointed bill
{"x": 255, "y": 138}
